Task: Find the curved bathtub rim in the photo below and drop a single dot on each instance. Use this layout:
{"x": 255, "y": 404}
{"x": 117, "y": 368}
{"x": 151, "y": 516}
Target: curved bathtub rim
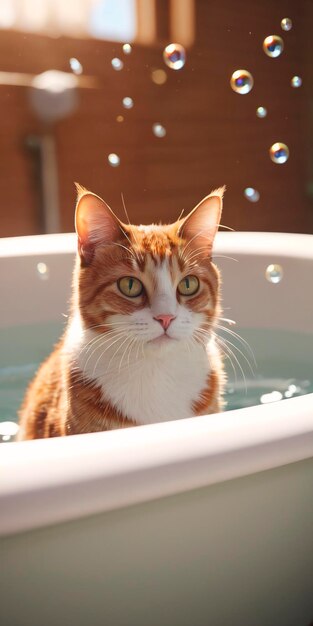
{"x": 44, "y": 482}
{"x": 248, "y": 242}
{"x": 56, "y": 480}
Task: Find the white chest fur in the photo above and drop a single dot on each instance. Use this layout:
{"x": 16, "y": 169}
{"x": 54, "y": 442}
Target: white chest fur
{"x": 150, "y": 386}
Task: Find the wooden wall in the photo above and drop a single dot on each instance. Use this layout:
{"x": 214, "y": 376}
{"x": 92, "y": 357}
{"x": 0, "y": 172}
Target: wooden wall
{"x": 213, "y": 135}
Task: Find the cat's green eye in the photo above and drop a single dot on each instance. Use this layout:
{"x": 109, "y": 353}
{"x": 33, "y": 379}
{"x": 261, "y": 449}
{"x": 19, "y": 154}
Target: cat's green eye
{"x": 188, "y": 286}
{"x": 130, "y": 286}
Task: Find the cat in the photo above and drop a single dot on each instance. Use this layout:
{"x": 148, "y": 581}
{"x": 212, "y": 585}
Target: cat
{"x": 139, "y": 346}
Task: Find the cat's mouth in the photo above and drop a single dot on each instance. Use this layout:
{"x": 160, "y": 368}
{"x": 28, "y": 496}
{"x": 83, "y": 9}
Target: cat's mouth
{"x": 162, "y": 339}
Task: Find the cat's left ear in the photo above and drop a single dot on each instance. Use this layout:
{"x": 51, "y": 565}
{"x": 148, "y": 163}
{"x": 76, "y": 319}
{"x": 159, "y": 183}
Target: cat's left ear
{"x": 95, "y": 223}
{"x": 201, "y": 225}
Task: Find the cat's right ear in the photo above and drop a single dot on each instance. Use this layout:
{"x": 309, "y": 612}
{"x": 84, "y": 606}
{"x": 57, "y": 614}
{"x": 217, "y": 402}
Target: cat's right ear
{"x": 95, "y": 223}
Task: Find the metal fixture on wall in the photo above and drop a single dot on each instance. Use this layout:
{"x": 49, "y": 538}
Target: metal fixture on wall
{"x": 53, "y": 96}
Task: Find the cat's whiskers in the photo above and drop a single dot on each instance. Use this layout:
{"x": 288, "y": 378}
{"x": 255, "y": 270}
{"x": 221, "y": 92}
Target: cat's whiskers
{"x": 107, "y": 336}
{"x": 207, "y": 334}
{"x": 116, "y": 352}
{"x": 117, "y": 325}
{"x": 229, "y": 343}
{"x": 227, "y": 227}
{"x": 199, "y": 339}
{"x": 225, "y": 344}
{"x": 105, "y": 340}
{"x": 224, "y": 256}
{"x": 236, "y": 336}
{"x": 194, "y": 252}
{"x": 136, "y": 240}
{"x": 129, "y": 250}
{"x": 191, "y": 240}
{"x": 188, "y": 342}
{"x": 227, "y": 320}
{"x": 128, "y": 349}
{"x": 135, "y": 340}
{"x": 89, "y": 345}
{"x": 107, "y": 333}
{"x": 95, "y": 340}
{"x": 138, "y": 346}
{"x": 228, "y": 353}
{"x": 119, "y": 337}
{"x": 202, "y": 337}
{"x": 129, "y": 340}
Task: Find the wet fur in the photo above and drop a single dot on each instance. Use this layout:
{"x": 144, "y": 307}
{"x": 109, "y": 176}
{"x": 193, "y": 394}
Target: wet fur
{"x": 113, "y": 368}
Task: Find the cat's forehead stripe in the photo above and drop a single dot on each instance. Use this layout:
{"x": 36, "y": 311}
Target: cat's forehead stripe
{"x": 158, "y": 240}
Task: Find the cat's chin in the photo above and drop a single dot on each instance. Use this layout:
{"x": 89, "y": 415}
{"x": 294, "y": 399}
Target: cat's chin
{"x": 163, "y": 340}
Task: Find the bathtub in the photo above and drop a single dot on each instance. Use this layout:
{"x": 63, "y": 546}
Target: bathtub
{"x": 201, "y": 522}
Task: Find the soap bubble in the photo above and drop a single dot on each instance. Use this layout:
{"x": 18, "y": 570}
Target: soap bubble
{"x": 241, "y": 81}
{"x": 159, "y": 77}
{"x": 174, "y": 56}
{"x": 292, "y": 389}
{"x": 296, "y": 81}
{"x": 159, "y": 130}
{"x": 279, "y": 152}
{"x": 261, "y": 112}
{"x": 119, "y": 118}
{"x": 251, "y": 194}
{"x": 273, "y": 396}
{"x": 43, "y": 271}
{"x": 75, "y": 66}
{"x": 274, "y": 273}
{"x": 128, "y": 103}
{"x": 286, "y": 23}
{"x": 8, "y": 430}
{"x": 114, "y": 159}
{"x": 273, "y": 46}
{"x": 127, "y": 48}
{"x": 117, "y": 64}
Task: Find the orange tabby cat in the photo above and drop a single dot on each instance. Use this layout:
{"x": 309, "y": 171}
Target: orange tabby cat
{"x": 139, "y": 347}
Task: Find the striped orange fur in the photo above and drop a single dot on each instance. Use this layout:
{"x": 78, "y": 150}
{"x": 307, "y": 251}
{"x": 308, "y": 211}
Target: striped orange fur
{"x": 139, "y": 347}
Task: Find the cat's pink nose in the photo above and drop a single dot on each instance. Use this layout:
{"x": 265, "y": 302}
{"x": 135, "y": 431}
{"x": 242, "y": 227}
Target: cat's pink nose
{"x": 165, "y": 320}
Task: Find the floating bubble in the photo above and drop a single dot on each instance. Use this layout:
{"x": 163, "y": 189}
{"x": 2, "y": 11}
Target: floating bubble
{"x": 114, "y": 159}
{"x": 273, "y": 396}
{"x": 273, "y": 46}
{"x": 279, "y": 152}
{"x": 241, "y": 81}
{"x": 251, "y": 194}
{"x": 274, "y": 273}
{"x": 292, "y": 389}
{"x": 8, "y": 430}
{"x": 127, "y": 48}
{"x": 55, "y": 82}
{"x": 128, "y": 103}
{"x": 261, "y": 112}
{"x": 76, "y": 66}
{"x": 159, "y": 77}
{"x": 159, "y": 130}
{"x": 119, "y": 118}
{"x": 117, "y": 64}
{"x": 296, "y": 81}
{"x": 286, "y": 23}
{"x": 43, "y": 271}
{"x": 174, "y": 56}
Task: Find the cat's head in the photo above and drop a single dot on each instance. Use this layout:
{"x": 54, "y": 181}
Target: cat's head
{"x": 156, "y": 284}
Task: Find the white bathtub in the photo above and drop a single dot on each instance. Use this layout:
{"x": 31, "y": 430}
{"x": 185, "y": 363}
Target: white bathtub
{"x": 207, "y": 521}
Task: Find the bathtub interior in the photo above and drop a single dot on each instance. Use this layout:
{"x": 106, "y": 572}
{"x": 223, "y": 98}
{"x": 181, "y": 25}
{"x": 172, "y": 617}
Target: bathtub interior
{"x": 84, "y": 519}
{"x": 235, "y": 553}
{"x": 264, "y": 292}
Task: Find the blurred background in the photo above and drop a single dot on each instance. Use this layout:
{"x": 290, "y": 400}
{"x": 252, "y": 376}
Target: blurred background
{"x": 158, "y": 100}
